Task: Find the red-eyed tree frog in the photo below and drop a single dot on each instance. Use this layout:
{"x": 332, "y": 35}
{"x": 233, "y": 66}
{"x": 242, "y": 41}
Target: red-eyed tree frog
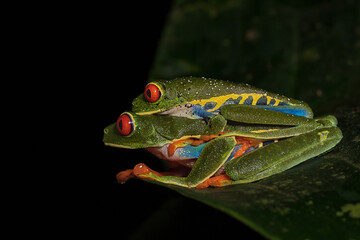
{"x": 203, "y": 98}
{"x": 248, "y": 144}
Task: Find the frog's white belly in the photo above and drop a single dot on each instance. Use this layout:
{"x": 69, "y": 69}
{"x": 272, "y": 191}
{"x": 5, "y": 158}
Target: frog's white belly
{"x": 190, "y": 152}
{"x": 184, "y": 153}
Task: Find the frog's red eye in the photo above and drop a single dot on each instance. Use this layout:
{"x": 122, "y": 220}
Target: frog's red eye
{"x": 125, "y": 124}
{"x": 152, "y": 92}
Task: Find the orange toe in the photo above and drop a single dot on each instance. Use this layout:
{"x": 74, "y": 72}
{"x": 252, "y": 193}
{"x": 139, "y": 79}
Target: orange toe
{"x": 143, "y": 171}
{"x": 123, "y": 176}
{"x": 217, "y": 181}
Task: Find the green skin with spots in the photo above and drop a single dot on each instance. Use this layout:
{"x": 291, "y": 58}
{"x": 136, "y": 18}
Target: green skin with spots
{"x": 180, "y": 91}
{"x": 300, "y": 139}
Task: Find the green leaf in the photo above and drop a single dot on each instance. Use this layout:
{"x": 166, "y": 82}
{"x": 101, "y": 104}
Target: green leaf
{"x": 318, "y": 199}
{"x": 303, "y": 49}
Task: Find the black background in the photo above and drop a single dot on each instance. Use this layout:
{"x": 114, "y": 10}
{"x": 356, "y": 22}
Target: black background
{"x": 96, "y": 59}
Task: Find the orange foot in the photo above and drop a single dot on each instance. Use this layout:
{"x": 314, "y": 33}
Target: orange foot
{"x": 218, "y": 181}
{"x": 139, "y": 171}
{"x": 123, "y": 176}
{"x": 143, "y": 171}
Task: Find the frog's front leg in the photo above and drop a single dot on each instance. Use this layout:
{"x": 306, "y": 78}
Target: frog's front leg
{"x": 211, "y": 158}
{"x": 277, "y": 157}
{"x": 142, "y": 170}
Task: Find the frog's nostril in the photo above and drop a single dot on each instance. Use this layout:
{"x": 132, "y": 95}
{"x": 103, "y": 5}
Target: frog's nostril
{"x": 106, "y": 131}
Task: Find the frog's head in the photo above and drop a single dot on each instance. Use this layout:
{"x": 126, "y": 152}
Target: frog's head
{"x": 163, "y": 95}
{"x": 136, "y": 131}
{"x": 131, "y": 131}
{"x": 157, "y": 97}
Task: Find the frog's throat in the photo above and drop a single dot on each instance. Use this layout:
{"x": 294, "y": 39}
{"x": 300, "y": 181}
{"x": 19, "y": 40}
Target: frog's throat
{"x": 119, "y": 146}
{"x": 165, "y": 144}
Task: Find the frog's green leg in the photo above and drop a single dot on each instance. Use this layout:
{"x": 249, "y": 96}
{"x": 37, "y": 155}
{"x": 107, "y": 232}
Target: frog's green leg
{"x": 278, "y": 133}
{"x": 275, "y": 133}
{"x": 300, "y": 111}
{"x": 277, "y": 157}
{"x": 211, "y": 158}
{"x": 143, "y": 171}
{"x": 297, "y": 125}
{"x": 250, "y": 114}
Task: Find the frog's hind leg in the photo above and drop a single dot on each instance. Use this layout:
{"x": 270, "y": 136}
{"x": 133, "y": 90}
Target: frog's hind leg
{"x": 278, "y": 157}
{"x": 255, "y": 115}
{"x": 211, "y": 158}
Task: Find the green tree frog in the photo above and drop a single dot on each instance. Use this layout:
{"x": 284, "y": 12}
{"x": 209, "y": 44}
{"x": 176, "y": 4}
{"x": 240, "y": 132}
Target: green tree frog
{"x": 259, "y": 144}
{"x": 204, "y": 98}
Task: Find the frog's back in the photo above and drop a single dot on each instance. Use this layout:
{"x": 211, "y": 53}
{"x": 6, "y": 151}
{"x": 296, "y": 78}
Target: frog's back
{"x": 213, "y": 94}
